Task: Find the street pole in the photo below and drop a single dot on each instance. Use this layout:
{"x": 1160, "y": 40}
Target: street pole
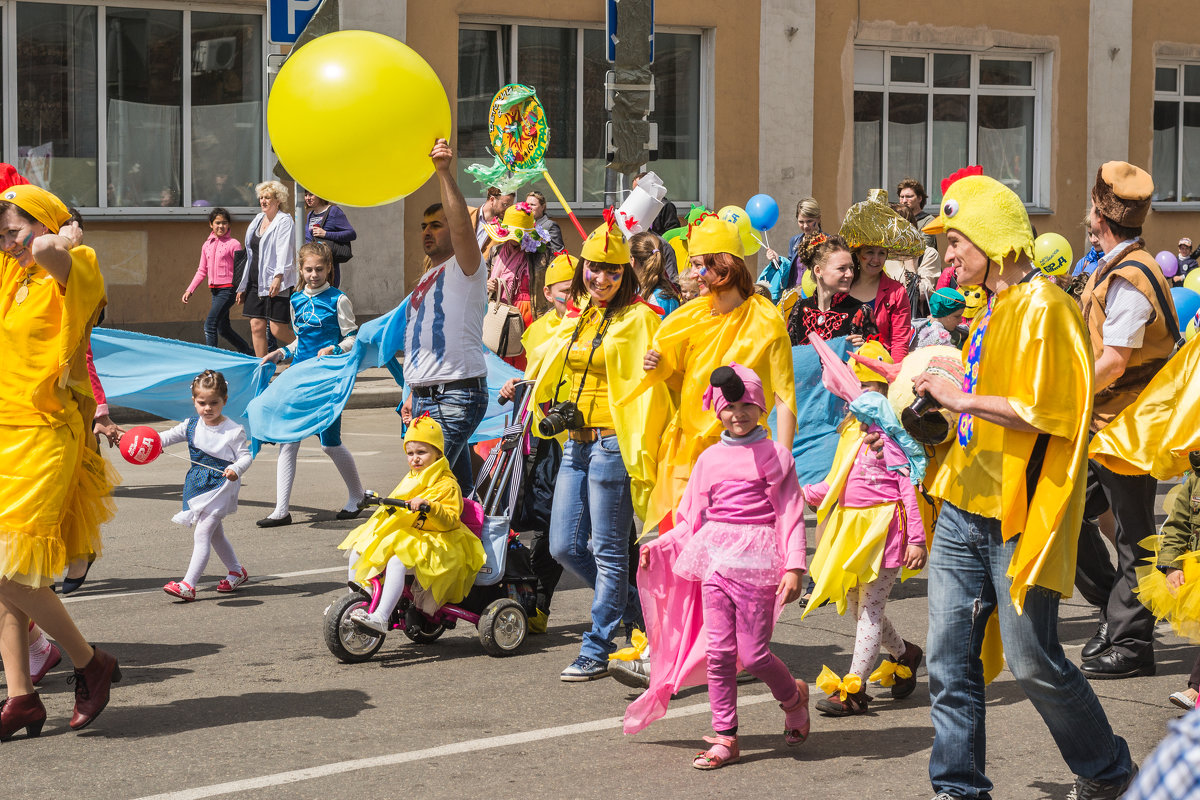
{"x": 632, "y": 87}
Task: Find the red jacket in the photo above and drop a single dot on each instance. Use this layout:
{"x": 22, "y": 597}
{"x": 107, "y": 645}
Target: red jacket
{"x": 893, "y": 317}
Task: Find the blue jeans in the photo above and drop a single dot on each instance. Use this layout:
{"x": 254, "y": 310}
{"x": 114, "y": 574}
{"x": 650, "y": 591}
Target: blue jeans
{"x": 459, "y": 412}
{"x": 217, "y": 321}
{"x": 968, "y": 567}
{"x": 589, "y": 535}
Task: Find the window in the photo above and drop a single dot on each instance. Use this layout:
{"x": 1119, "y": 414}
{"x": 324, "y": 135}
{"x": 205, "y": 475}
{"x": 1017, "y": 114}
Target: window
{"x": 1176, "y": 145}
{"x": 162, "y": 107}
{"x": 567, "y": 66}
{"x": 926, "y": 114}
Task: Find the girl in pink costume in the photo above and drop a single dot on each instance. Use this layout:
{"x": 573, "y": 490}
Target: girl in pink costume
{"x": 717, "y": 580}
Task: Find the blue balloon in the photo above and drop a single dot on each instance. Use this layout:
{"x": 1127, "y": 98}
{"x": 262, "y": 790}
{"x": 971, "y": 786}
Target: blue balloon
{"x": 763, "y": 211}
{"x": 1187, "y": 303}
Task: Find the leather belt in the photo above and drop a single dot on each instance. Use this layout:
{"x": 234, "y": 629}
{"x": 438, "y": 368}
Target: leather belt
{"x": 588, "y": 435}
{"x": 449, "y": 386}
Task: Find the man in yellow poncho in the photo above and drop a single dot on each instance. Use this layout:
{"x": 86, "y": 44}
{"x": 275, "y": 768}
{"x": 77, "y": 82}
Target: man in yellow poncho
{"x": 1012, "y": 485}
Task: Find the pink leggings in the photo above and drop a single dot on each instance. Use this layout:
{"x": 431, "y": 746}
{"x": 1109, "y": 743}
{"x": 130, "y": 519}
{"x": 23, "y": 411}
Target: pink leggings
{"x": 740, "y": 618}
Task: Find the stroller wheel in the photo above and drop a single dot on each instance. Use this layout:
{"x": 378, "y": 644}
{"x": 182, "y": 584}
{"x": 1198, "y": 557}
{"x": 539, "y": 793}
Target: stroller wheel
{"x": 503, "y": 627}
{"x": 350, "y": 643}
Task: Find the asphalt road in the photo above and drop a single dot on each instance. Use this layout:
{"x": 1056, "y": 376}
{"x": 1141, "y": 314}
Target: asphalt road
{"x": 238, "y": 695}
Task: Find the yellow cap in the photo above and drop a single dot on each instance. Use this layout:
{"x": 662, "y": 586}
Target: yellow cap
{"x": 425, "y": 429}
{"x": 562, "y": 268}
{"x": 516, "y": 223}
{"x": 710, "y": 234}
{"x": 43, "y": 206}
{"x": 874, "y": 351}
{"x": 606, "y": 244}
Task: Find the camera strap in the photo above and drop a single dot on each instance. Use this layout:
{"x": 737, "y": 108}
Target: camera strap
{"x": 587, "y": 367}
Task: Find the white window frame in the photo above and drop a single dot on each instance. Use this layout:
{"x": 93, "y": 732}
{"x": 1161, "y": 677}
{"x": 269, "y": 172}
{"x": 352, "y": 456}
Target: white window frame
{"x": 1039, "y": 89}
{"x": 8, "y": 92}
{"x": 705, "y": 149}
{"x": 1178, "y": 97}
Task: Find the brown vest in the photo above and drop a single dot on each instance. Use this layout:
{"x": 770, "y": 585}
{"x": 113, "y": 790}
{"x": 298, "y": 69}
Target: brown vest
{"x": 1158, "y": 344}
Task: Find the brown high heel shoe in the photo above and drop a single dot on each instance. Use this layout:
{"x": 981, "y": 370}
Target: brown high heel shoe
{"x": 92, "y": 684}
{"x": 23, "y": 711}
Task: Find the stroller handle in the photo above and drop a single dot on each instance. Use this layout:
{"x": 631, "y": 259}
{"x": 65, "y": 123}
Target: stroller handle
{"x": 374, "y": 499}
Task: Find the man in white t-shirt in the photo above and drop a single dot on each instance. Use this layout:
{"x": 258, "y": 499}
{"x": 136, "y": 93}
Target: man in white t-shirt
{"x": 443, "y": 341}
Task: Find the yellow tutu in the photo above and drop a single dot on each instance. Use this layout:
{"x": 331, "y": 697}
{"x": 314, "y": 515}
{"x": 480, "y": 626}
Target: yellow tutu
{"x": 850, "y": 552}
{"x": 1182, "y": 608}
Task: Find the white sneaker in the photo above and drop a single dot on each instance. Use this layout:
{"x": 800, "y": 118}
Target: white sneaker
{"x": 371, "y": 622}
{"x": 634, "y": 674}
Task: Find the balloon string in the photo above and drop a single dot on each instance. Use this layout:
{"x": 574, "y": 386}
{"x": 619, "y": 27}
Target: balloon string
{"x": 562, "y": 201}
{"x": 197, "y": 463}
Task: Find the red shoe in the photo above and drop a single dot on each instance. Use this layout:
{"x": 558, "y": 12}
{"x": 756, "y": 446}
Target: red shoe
{"x": 795, "y": 717}
{"x": 92, "y": 684}
{"x": 182, "y": 590}
{"x": 23, "y": 711}
{"x": 232, "y": 581}
{"x": 52, "y": 661}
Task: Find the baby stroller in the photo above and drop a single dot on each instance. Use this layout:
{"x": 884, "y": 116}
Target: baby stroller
{"x": 504, "y": 595}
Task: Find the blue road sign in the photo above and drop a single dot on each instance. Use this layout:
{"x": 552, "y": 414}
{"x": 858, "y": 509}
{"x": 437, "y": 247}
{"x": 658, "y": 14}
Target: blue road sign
{"x": 610, "y": 30}
{"x": 287, "y": 18}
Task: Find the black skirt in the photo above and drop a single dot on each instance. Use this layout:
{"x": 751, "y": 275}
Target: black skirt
{"x": 274, "y": 309}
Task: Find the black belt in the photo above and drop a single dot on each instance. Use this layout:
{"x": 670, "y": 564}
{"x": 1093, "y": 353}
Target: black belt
{"x": 449, "y": 386}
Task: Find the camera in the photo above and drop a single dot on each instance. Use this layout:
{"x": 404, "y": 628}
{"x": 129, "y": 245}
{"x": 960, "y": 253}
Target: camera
{"x": 1194, "y": 457}
{"x": 564, "y": 416}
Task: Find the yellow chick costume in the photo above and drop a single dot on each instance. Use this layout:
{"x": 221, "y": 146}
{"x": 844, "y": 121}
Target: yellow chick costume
{"x": 56, "y": 488}
{"x": 692, "y": 342}
{"x": 440, "y": 551}
{"x": 1049, "y": 387}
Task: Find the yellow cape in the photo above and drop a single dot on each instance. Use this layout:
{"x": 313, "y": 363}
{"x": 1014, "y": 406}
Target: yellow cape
{"x": 1155, "y": 433}
{"x": 629, "y": 336}
{"x": 692, "y": 342}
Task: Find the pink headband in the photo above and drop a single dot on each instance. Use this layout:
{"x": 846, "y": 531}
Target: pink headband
{"x": 751, "y": 389}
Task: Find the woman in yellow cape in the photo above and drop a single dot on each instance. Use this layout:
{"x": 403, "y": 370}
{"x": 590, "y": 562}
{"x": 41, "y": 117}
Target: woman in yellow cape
{"x": 589, "y": 359}
{"x": 55, "y": 489}
{"x": 729, "y": 324}
{"x": 442, "y": 553}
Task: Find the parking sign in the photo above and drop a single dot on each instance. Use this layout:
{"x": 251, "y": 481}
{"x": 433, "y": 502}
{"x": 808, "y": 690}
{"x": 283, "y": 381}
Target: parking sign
{"x": 287, "y": 18}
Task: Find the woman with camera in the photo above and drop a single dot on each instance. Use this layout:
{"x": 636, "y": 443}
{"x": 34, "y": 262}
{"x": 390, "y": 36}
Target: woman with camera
{"x": 590, "y": 359}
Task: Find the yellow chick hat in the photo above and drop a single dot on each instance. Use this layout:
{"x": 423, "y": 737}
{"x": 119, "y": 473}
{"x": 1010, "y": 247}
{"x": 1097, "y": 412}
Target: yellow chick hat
{"x": 985, "y": 211}
{"x": 710, "y": 234}
{"x": 873, "y": 223}
{"x": 562, "y": 268}
{"x": 872, "y": 351}
{"x": 35, "y": 201}
{"x": 425, "y": 429}
{"x": 606, "y": 244}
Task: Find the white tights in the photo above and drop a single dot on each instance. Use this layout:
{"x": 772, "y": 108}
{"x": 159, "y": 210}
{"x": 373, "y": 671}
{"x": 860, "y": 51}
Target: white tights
{"x": 285, "y": 476}
{"x": 867, "y": 604}
{"x": 393, "y": 584}
{"x": 209, "y": 535}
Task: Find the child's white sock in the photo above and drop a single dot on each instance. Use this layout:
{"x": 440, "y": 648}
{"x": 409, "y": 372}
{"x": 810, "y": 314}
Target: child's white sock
{"x": 285, "y": 475}
{"x": 344, "y": 461}
{"x": 353, "y": 569}
{"x": 206, "y": 526}
{"x": 393, "y": 587}
{"x": 39, "y": 648}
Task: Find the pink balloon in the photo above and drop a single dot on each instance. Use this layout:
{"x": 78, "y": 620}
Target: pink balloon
{"x": 1169, "y": 263}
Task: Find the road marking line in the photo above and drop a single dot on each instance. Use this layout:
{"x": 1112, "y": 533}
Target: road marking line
{"x": 255, "y": 579}
{"x": 455, "y": 748}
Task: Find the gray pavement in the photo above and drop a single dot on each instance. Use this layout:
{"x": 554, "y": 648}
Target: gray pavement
{"x": 240, "y": 690}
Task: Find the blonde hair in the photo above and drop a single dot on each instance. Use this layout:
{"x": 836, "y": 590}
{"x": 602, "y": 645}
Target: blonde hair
{"x": 808, "y": 207}
{"x": 274, "y": 189}
{"x": 646, "y": 250}
{"x": 210, "y": 381}
{"x": 318, "y": 249}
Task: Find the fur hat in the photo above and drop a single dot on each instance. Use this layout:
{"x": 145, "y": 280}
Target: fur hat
{"x": 425, "y": 429}
{"x": 733, "y": 384}
{"x": 1122, "y": 193}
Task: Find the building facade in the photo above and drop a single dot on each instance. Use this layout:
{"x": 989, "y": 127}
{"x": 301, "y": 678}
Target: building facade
{"x": 145, "y": 113}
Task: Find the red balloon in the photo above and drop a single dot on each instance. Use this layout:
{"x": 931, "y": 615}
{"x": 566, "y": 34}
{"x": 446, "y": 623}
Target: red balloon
{"x": 141, "y": 445}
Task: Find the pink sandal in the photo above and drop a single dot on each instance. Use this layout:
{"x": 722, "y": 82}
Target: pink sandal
{"x": 795, "y": 717}
{"x": 724, "y": 751}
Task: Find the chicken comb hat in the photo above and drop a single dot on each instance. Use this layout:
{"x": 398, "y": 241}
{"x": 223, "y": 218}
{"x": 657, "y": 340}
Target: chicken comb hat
{"x": 10, "y": 177}
{"x": 873, "y": 223}
{"x": 425, "y": 429}
{"x": 733, "y": 384}
{"x": 710, "y": 234}
{"x": 39, "y": 204}
{"x": 562, "y": 268}
{"x": 606, "y": 244}
{"x": 985, "y": 211}
{"x": 871, "y": 363}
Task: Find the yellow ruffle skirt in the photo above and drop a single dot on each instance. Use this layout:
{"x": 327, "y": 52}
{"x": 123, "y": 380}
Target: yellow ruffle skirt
{"x": 445, "y": 563}
{"x": 55, "y": 493}
{"x": 850, "y": 552}
{"x": 1181, "y": 609}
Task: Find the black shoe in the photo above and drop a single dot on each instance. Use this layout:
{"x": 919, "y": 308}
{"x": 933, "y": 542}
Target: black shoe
{"x": 1113, "y": 665}
{"x": 1098, "y": 645}
{"x": 353, "y": 513}
{"x": 268, "y": 522}
{"x": 71, "y": 584}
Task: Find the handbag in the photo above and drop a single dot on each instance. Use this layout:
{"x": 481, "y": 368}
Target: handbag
{"x": 503, "y": 327}
{"x": 239, "y": 266}
{"x": 341, "y": 251}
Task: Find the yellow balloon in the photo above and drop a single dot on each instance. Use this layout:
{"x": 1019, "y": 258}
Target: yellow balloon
{"x": 736, "y": 215}
{"x": 352, "y": 116}
{"x": 1052, "y": 254}
{"x": 1190, "y": 333}
{"x": 808, "y": 284}
{"x": 1192, "y": 281}
{"x": 679, "y": 245}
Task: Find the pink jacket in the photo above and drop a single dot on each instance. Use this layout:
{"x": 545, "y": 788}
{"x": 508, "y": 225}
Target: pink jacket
{"x": 672, "y": 604}
{"x": 216, "y": 261}
{"x": 893, "y": 317}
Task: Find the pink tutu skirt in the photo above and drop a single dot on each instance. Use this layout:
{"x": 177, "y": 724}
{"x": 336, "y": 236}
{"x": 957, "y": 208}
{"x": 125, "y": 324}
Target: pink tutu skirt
{"x": 744, "y": 553}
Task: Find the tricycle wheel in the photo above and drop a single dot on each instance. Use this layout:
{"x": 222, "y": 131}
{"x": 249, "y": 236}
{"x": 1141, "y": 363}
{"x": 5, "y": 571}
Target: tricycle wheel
{"x": 503, "y": 627}
{"x": 350, "y": 643}
{"x": 419, "y": 629}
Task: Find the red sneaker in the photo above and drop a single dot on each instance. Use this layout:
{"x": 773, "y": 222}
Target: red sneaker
{"x": 232, "y": 581}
